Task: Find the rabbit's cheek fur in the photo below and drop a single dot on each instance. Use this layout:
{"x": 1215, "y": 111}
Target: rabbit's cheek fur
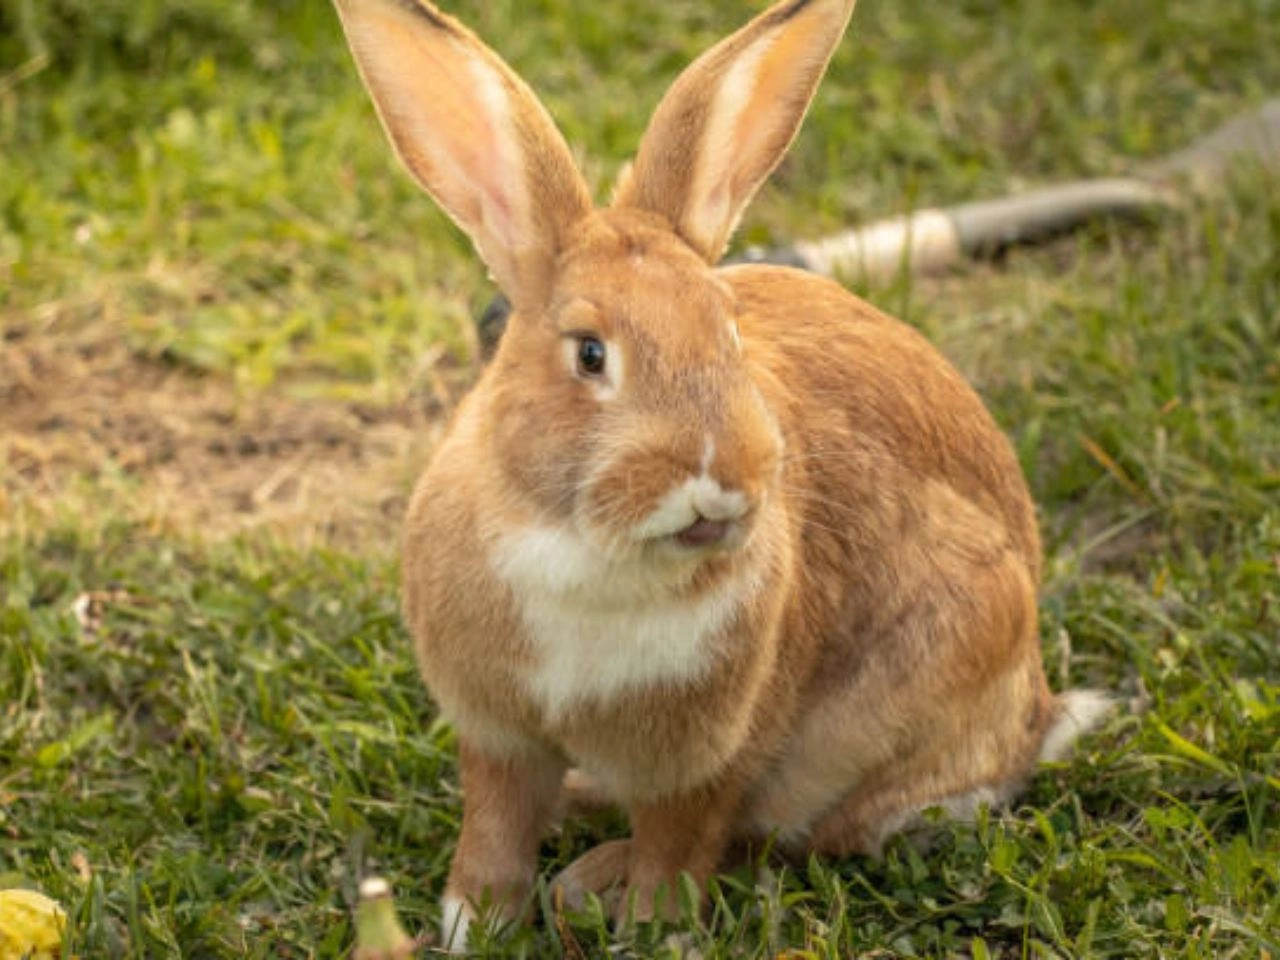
{"x": 547, "y": 465}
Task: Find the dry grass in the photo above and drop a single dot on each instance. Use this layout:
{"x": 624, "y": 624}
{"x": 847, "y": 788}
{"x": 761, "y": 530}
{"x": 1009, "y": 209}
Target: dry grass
{"x": 88, "y": 426}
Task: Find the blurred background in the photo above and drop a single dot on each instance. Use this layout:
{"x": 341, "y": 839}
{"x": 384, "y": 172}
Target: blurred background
{"x": 202, "y": 186}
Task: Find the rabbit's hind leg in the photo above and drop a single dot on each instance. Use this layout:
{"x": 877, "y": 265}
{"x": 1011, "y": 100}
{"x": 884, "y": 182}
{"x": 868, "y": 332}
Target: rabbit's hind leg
{"x": 983, "y": 756}
{"x": 942, "y": 777}
{"x": 946, "y": 707}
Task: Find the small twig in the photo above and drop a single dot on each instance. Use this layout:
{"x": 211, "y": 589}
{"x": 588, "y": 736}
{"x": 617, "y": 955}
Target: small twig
{"x": 23, "y": 72}
{"x": 1108, "y": 464}
{"x": 568, "y": 942}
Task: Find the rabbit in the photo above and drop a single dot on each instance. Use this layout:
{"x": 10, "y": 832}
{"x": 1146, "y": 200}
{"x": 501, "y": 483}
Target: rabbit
{"x": 727, "y": 546}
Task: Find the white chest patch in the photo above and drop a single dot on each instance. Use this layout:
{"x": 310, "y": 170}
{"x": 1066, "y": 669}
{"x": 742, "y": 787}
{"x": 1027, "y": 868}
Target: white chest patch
{"x": 601, "y": 627}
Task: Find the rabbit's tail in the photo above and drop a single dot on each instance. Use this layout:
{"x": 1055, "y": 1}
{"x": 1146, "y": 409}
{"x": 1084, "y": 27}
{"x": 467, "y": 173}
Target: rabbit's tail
{"x": 1076, "y": 712}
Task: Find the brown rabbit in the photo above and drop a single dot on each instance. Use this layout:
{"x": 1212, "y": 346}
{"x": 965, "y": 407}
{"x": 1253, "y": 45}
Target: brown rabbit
{"x": 743, "y": 550}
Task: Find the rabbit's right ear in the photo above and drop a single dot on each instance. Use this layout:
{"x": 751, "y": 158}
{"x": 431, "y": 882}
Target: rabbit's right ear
{"x": 473, "y": 134}
{"x": 729, "y": 118}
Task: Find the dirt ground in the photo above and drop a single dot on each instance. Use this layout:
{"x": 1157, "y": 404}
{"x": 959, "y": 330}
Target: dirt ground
{"x": 91, "y": 428}
{"x": 86, "y": 423}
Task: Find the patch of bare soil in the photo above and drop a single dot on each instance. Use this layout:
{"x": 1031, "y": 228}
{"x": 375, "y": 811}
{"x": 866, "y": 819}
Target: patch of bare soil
{"x": 87, "y": 425}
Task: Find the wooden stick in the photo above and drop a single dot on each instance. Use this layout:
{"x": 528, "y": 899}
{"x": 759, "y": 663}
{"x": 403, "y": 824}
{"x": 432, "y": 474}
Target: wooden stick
{"x": 934, "y": 239}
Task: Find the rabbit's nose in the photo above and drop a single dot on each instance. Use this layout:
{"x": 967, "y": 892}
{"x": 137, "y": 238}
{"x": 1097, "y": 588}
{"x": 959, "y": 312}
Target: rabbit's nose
{"x": 714, "y": 503}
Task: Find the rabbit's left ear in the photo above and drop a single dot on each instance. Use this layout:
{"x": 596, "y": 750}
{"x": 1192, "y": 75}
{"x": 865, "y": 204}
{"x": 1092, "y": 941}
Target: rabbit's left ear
{"x": 729, "y": 118}
{"x": 473, "y": 134}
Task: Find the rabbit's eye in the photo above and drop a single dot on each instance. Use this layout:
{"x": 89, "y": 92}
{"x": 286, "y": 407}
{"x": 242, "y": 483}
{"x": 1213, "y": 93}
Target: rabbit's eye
{"x": 591, "y": 356}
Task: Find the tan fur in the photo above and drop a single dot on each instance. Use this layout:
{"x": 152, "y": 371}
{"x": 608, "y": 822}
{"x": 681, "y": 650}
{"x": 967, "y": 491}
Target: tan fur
{"x": 482, "y": 163}
{"x": 730, "y": 139}
{"x": 861, "y": 643}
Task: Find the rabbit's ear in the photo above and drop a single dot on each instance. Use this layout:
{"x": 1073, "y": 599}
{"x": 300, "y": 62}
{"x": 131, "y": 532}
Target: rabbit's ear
{"x": 730, "y": 117}
{"x": 473, "y": 134}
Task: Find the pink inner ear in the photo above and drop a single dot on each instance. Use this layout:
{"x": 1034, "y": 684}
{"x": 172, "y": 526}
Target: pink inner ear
{"x": 450, "y": 115}
{"x": 755, "y": 128}
{"x": 496, "y": 161}
{"x": 728, "y": 162}
{"x": 500, "y": 220}
{"x": 472, "y": 134}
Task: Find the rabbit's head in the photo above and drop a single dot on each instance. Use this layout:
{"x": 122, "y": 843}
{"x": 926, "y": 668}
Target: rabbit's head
{"x": 627, "y": 404}
{"x": 622, "y": 400}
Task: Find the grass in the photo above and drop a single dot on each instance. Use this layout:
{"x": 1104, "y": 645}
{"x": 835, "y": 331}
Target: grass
{"x": 204, "y": 742}
{"x": 210, "y": 176}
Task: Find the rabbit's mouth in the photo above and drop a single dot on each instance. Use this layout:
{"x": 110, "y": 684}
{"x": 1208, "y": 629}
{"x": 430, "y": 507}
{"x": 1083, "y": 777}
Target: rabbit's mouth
{"x": 703, "y": 536}
{"x": 703, "y": 533}
{"x": 698, "y": 512}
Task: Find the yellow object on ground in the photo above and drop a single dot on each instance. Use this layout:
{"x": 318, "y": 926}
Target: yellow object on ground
{"x": 31, "y": 926}
{"x": 379, "y": 935}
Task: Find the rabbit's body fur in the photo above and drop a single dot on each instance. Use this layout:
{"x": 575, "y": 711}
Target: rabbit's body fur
{"x": 743, "y": 550}
{"x": 907, "y": 535}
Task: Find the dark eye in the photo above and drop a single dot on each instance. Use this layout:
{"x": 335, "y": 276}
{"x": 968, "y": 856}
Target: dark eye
{"x": 591, "y": 355}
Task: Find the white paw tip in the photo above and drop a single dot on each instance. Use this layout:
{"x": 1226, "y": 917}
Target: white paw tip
{"x": 455, "y": 922}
